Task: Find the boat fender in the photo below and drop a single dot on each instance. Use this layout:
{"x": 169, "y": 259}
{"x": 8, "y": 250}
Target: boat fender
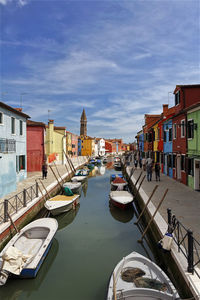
{"x": 166, "y": 242}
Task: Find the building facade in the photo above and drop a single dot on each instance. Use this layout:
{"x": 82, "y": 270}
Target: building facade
{"x": 35, "y": 146}
{"x": 13, "y": 148}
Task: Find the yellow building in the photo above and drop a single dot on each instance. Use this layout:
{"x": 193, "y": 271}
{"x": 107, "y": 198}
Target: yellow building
{"x": 55, "y": 143}
{"x": 87, "y": 145}
{"x": 155, "y": 142}
{"x": 69, "y": 143}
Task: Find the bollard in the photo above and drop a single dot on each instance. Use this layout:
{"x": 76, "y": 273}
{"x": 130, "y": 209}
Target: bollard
{"x": 5, "y": 210}
{"x": 36, "y": 189}
{"x": 169, "y": 215}
{"x": 24, "y": 197}
{"x": 190, "y": 252}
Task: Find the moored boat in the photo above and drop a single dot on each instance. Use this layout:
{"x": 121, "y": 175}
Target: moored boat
{"x": 61, "y": 203}
{"x": 118, "y": 184}
{"x": 73, "y": 186}
{"x": 26, "y": 251}
{"x": 121, "y": 199}
{"x": 137, "y": 277}
{"x": 78, "y": 178}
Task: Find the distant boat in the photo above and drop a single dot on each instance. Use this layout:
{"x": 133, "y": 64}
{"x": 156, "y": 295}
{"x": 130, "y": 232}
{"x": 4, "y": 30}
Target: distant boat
{"x": 26, "y": 251}
{"x": 81, "y": 172}
{"x": 78, "y": 178}
{"x": 121, "y": 199}
{"x": 136, "y": 277}
{"x": 118, "y": 166}
{"x": 61, "y": 203}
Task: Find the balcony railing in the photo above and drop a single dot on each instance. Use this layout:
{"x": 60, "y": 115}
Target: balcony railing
{"x": 7, "y": 145}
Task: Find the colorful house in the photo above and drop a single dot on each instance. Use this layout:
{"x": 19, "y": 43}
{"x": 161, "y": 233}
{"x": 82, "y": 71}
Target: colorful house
{"x": 87, "y": 146}
{"x": 148, "y": 134}
{"x": 55, "y": 143}
{"x": 13, "y": 147}
{"x": 193, "y": 152}
{"x": 35, "y": 145}
{"x": 74, "y": 145}
{"x": 69, "y": 143}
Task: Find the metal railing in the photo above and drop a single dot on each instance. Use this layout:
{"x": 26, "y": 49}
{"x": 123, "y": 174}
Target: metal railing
{"x": 15, "y": 203}
{"x": 186, "y": 243}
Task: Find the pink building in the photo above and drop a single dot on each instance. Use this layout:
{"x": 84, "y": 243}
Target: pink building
{"x": 74, "y": 144}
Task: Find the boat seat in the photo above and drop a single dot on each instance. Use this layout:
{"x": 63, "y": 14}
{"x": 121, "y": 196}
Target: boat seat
{"x": 29, "y": 246}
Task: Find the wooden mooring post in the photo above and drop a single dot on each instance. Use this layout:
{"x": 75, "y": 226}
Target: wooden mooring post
{"x": 55, "y": 176}
{"x": 47, "y": 193}
{"x": 161, "y": 201}
{"x": 142, "y": 212}
{"x": 58, "y": 172}
{"x": 139, "y": 186}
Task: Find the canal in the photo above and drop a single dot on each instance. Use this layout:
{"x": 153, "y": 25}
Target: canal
{"x": 88, "y": 244}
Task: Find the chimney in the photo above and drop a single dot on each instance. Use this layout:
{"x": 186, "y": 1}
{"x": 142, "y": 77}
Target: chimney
{"x": 165, "y": 109}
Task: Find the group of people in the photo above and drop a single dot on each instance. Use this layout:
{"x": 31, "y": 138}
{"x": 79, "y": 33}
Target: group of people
{"x": 147, "y": 165}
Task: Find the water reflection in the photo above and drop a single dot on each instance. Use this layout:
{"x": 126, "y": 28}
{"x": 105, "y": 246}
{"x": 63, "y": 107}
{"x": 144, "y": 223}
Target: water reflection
{"x": 102, "y": 170}
{"x": 85, "y": 187}
{"x": 67, "y": 218}
{"x": 123, "y": 216}
{"x": 16, "y": 286}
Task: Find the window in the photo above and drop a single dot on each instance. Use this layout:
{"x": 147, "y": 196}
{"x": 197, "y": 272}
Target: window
{"x": 12, "y": 125}
{"x": 174, "y": 131}
{"x": 177, "y": 98}
{"x": 170, "y": 134}
{"x": 182, "y": 162}
{"x": 20, "y": 127}
{"x": 165, "y": 136}
{"x": 190, "y": 129}
{"x": 182, "y": 128}
{"x": 1, "y": 117}
{"x": 20, "y": 163}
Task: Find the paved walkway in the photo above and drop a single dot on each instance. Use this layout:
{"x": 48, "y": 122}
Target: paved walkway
{"x": 183, "y": 201}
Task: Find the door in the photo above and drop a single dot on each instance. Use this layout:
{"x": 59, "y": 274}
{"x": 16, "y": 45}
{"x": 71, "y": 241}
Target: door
{"x": 197, "y": 174}
{"x": 178, "y": 167}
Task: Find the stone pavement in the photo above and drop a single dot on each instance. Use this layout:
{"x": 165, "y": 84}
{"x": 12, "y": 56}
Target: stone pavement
{"x": 181, "y": 199}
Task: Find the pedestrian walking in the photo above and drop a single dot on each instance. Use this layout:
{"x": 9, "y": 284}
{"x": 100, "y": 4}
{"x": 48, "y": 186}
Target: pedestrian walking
{"x": 44, "y": 170}
{"x": 144, "y": 163}
{"x": 149, "y": 172}
{"x": 149, "y": 160}
{"x": 157, "y": 171}
{"x": 136, "y": 163}
{"x": 140, "y": 163}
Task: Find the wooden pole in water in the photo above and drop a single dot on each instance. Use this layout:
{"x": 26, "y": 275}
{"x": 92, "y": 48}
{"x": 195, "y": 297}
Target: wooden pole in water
{"x": 69, "y": 163}
{"x": 139, "y": 186}
{"x": 146, "y": 204}
{"x": 13, "y": 224}
{"x": 58, "y": 172}
{"x": 55, "y": 176}
{"x": 161, "y": 201}
{"x": 114, "y": 287}
{"x": 47, "y": 193}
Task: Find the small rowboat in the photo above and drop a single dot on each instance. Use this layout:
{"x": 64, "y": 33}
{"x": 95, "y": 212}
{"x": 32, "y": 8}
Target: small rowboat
{"x": 118, "y": 184}
{"x": 121, "y": 199}
{"x": 61, "y": 203}
{"x": 73, "y": 186}
{"x": 137, "y": 277}
{"x": 26, "y": 251}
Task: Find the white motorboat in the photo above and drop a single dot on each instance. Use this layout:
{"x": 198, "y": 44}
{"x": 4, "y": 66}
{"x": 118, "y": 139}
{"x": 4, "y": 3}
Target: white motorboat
{"x": 137, "y": 277}
{"x": 121, "y": 199}
{"x": 26, "y": 251}
{"x": 82, "y": 172}
{"x": 73, "y": 186}
{"x": 61, "y": 203}
{"x": 78, "y": 178}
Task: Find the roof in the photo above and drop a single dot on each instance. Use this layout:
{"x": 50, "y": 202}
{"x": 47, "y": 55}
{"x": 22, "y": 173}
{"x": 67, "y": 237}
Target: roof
{"x": 83, "y": 116}
{"x": 14, "y": 110}
{"x": 33, "y": 123}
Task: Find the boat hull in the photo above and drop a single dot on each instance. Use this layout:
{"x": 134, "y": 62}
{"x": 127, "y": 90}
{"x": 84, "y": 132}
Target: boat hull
{"x": 57, "y": 207}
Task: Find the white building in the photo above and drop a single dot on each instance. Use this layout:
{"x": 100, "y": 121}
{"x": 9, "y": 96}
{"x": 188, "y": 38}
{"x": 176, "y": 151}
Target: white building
{"x": 101, "y": 147}
{"x": 12, "y": 148}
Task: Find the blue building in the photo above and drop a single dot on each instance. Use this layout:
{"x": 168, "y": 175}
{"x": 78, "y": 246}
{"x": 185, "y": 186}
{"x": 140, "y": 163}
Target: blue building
{"x": 168, "y": 148}
{"x": 79, "y": 146}
{"x": 13, "y": 162}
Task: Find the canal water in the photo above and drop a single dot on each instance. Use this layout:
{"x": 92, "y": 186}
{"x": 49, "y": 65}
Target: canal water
{"x": 89, "y": 243}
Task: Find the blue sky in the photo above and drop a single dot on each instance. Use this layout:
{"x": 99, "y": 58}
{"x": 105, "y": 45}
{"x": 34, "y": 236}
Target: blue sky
{"x": 117, "y": 59}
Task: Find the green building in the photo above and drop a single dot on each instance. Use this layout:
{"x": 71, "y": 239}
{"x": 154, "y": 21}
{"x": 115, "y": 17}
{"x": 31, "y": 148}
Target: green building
{"x": 193, "y": 137}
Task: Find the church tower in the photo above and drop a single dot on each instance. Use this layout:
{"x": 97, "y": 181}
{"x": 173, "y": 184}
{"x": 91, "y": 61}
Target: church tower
{"x": 83, "y": 128}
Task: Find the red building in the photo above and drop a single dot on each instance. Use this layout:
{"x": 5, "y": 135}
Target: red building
{"x": 74, "y": 144}
{"x": 185, "y": 97}
{"x": 35, "y": 145}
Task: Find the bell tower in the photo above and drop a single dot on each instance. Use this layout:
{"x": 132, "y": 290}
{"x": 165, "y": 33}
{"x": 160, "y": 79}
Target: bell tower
{"x": 83, "y": 127}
